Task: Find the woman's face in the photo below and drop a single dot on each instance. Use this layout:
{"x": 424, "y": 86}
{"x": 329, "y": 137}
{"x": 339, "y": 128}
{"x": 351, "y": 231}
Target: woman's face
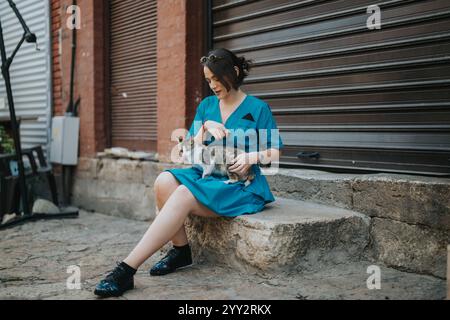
{"x": 216, "y": 86}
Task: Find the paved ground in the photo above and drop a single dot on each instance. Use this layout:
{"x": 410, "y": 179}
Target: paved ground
{"x": 34, "y": 259}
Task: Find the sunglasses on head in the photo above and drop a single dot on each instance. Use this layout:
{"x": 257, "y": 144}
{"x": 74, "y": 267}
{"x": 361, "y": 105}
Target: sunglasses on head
{"x": 210, "y": 58}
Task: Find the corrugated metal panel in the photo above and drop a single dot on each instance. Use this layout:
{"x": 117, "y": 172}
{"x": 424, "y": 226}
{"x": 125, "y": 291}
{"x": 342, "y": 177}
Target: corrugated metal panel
{"x": 30, "y": 71}
{"x": 364, "y": 99}
{"x": 133, "y": 73}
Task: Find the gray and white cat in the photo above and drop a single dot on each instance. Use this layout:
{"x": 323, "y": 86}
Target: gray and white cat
{"x": 213, "y": 159}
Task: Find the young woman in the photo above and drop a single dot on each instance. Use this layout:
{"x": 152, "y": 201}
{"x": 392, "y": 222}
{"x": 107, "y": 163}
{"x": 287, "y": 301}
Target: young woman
{"x": 180, "y": 192}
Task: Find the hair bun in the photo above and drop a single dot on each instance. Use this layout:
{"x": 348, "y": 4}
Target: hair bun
{"x": 246, "y": 64}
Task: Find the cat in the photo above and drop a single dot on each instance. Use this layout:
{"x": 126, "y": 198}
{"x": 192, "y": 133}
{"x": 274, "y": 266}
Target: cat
{"x": 213, "y": 159}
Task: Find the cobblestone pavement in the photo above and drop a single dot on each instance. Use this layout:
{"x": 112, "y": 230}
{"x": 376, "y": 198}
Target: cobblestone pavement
{"x": 34, "y": 259}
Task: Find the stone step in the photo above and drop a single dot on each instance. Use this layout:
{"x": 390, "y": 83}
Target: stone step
{"x": 416, "y": 200}
{"x": 288, "y": 234}
{"x": 410, "y": 226}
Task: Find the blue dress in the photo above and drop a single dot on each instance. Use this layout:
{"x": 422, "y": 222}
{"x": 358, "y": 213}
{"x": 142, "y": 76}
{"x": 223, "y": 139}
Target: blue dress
{"x": 234, "y": 199}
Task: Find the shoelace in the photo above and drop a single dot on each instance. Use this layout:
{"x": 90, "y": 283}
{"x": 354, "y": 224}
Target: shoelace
{"x": 171, "y": 254}
{"x": 116, "y": 274}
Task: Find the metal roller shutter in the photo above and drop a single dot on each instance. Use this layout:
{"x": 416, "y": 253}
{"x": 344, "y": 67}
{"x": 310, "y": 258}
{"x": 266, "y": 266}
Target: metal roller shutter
{"x": 375, "y": 100}
{"x": 30, "y": 71}
{"x": 133, "y": 74}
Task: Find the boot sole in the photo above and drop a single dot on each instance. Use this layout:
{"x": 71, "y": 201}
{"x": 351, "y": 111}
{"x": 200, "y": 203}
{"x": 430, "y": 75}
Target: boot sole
{"x": 168, "y": 272}
{"x": 103, "y": 294}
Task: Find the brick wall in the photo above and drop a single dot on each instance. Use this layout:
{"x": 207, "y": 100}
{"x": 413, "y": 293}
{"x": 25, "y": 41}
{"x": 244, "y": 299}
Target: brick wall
{"x": 57, "y": 81}
{"x": 90, "y": 73}
{"x": 180, "y": 82}
{"x": 180, "y": 46}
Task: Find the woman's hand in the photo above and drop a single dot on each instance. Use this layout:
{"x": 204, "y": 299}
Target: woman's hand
{"x": 243, "y": 162}
{"x": 216, "y": 129}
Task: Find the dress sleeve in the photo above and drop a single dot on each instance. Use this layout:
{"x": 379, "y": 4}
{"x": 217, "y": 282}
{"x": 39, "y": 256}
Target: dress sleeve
{"x": 198, "y": 120}
{"x": 267, "y": 121}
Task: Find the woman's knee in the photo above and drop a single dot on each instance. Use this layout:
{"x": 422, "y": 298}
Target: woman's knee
{"x": 165, "y": 182}
{"x": 184, "y": 193}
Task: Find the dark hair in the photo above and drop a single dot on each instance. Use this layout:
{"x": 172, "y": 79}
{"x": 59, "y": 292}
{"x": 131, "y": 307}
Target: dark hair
{"x": 221, "y": 62}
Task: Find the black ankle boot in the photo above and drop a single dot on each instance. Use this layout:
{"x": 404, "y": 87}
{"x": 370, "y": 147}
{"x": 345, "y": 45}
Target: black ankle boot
{"x": 116, "y": 282}
{"x": 176, "y": 258}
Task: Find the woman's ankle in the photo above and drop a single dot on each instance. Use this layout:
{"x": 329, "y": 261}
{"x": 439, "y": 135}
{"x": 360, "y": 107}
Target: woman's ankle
{"x": 181, "y": 247}
{"x": 129, "y": 266}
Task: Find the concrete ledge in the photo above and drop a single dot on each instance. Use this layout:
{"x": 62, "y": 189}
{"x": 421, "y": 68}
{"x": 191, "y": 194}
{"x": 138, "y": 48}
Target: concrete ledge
{"x": 287, "y": 234}
{"x": 410, "y": 248}
{"x": 126, "y": 200}
{"x": 121, "y": 170}
{"x": 122, "y": 188}
{"x": 404, "y": 198}
{"x": 410, "y": 199}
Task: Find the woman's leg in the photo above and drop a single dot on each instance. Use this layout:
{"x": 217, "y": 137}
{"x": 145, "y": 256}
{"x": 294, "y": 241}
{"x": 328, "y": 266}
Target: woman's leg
{"x": 167, "y": 223}
{"x": 164, "y": 186}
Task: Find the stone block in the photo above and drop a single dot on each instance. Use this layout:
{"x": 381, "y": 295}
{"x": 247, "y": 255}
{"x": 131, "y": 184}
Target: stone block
{"x": 310, "y": 185}
{"x": 409, "y": 199}
{"x": 127, "y": 200}
{"x": 120, "y": 170}
{"x": 407, "y": 247}
{"x": 287, "y": 234}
